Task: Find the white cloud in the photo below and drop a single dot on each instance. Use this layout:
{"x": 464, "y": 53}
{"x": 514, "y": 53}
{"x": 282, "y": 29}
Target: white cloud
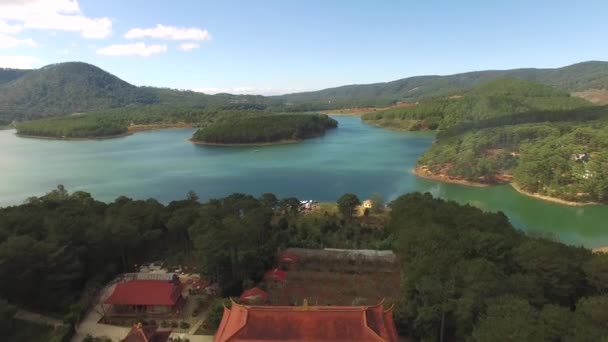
{"x": 17, "y": 62}
{"x": 250, "y": 90}
{"x": 188, "y": 46}
{"x": 8, "y": 28}
{"x": 9, "y": 42}
{"x": 136, "y": 49}
{"x": 60, "y": 15}
{"x": 169, "y": 33}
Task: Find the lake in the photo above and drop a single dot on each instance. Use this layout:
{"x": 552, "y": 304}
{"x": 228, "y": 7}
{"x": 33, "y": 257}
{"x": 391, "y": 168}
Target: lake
{"x": 353, "y": 158}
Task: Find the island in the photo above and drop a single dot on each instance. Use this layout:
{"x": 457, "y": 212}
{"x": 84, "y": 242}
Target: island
{"x": 266, "y": 129}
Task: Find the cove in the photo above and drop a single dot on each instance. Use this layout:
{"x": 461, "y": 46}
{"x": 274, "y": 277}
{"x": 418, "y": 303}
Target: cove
{"x": 355, "y": 158}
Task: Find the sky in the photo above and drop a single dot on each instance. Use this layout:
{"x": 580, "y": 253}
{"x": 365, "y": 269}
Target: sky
{"x": 281, "y": 46}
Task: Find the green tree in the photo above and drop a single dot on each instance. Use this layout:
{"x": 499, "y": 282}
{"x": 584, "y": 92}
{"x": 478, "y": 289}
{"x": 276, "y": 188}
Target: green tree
{"x": 347, "y": 204}
{"x": 269, "y": 200}
{"x": 590, "y": 319}
{"x": 507, "y": 319}
{"x": 377, "y": 202}
{"x": 7, "y": 312}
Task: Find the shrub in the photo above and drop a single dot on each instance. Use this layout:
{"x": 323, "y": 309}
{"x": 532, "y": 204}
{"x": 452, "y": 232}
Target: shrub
{"x": 184, "y": 325}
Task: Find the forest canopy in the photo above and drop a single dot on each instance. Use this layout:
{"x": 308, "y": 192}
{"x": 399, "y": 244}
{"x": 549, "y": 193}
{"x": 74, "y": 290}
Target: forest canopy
{"x": 467, "y": 274}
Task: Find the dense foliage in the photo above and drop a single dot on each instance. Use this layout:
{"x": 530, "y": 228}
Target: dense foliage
{"x": 466, "y": 274}
{"x": 470, "y": 275}
{"x": 581, "y": 76}
{"x": 56, "y": 247}
{"x": 64, "y": 89}
{"x": 490, "y": 101}
{"x": 265, "y": 129}
{"x": 510, "y": 130}
{"x": 117, "y": 121}
{"x": 69, "y": 88}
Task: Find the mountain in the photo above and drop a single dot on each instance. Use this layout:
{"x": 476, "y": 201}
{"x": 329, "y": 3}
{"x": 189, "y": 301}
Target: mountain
{"x": 574, "y": 78}
{"x": 7, "y": 74}
{"x": 65, "y": 88}
{"x": 74, "y": 87}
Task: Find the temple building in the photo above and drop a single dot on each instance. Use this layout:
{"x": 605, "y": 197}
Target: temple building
{"x": 146, "y": 297}
{"x": 307, "y": 323}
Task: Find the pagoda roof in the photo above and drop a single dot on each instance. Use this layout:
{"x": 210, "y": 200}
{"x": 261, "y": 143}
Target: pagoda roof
{"x": 307, "y": 323}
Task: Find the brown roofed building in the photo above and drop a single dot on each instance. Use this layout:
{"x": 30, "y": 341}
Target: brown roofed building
{"x": 307, "y": 323}
{"x": 146, "y": 334}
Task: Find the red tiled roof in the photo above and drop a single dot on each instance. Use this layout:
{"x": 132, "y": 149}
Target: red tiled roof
{"x": 314, "y": 323}
{"x": 276, "y": 275}
{"x": 145, "y": 292}
{"x": 248, "y": 296}
{"x": 146, "y": 334}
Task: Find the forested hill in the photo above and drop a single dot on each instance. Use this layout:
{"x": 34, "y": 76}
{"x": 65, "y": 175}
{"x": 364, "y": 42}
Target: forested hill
{"x": 74, "y": 87}
{"x": 64, "y": 89}
{"x": 509, "y": 130}
{"x": 485, "y": 104}
{"x": 574, "y": 78}
{"x": 7, "y": 74}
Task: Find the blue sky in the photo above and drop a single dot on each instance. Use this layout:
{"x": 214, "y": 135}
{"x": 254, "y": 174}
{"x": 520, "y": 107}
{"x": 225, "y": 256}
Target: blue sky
{"x": 273, "y": 46}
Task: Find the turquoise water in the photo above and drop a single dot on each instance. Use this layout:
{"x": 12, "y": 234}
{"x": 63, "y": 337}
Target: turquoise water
{"x": 353, "y": 158}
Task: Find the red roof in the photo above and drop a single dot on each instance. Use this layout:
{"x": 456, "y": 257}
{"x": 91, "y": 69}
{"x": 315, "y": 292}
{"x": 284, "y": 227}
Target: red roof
{"x": 254, "y": 294}
{"x": 276, "y": 275}
{"x": 146, "y": 334}
{"x": 310, "y": 323}
{"x": 145, "y": 292}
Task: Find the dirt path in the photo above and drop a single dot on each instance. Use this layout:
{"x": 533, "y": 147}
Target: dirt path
{"x": 29, "y": 316}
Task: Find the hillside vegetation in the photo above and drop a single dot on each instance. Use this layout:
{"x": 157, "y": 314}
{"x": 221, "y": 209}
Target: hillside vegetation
{"x": 264, "y": 129}
{"x": 573, "y": 78}
{"x": 64, "y": 89}
{"x": 491, "y": 100}
{"x": 508, "y": 130}
{"x": 117, "y": 121}
{"x": 69, "y": 88}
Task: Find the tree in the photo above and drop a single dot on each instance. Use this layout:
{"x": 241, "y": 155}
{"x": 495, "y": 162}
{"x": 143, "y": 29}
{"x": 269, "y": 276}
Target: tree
{"x": 290, "y": 205}
{"x": 7, "y": 312}
{"x": 347, "y": 204}
{"x": 507, "y": 319}
{"x": 377, "y": 202}
{"x": 554, "y": 322}
{"x": 596, "y": 272}
{"x": 269, "y": 200}
{"x": 192, "y": 196}
{"x": 590, "y": 319}
{"x": 216, "y": 312}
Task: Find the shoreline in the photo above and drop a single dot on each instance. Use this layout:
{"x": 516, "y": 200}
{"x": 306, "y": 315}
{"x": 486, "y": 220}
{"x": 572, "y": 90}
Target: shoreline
{"x": 423, "y": 173}
{"x": 132, "y": 129}
{"x": 153, "y": 127}
{"x": 105, "y": 137}
{"x": 551, "y": 199}
{"x": 280, "y": 142}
